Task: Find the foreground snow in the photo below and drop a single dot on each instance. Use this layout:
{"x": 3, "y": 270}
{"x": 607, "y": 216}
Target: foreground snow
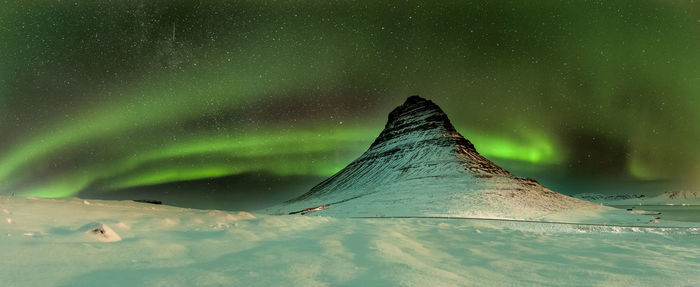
{"x": 58, "y": 242}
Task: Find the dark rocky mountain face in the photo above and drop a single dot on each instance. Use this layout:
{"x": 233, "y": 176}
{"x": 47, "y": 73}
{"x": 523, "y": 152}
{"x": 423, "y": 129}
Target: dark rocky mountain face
{"x": 420, "y": 115}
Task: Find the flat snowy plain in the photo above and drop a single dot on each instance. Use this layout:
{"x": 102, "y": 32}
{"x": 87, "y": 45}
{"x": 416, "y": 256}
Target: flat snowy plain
{"x": 58, "y": 242}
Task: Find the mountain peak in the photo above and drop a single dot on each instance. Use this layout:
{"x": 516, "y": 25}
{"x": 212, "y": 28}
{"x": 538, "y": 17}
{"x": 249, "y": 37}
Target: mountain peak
{"x": 415, "y": 99}
{"x": 416, "y": 106}
{"x": 420, "y": 115}
{"x": 420, "y": 165}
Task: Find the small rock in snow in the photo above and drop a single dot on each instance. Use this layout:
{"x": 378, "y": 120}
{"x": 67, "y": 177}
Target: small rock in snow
{"x": 101, "y": 232}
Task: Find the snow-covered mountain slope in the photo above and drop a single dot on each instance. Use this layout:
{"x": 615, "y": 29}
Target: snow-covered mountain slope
{"x": 421, "y": 166}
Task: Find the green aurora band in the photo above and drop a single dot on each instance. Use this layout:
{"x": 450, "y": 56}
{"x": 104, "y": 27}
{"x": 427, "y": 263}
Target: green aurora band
{"x": 105, "y": 96}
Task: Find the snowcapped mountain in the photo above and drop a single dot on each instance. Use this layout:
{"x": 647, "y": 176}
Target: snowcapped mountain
{"x": 421, "y": 166}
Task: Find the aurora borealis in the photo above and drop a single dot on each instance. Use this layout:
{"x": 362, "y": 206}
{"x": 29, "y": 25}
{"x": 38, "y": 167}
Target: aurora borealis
{"x": 108, "y": 95}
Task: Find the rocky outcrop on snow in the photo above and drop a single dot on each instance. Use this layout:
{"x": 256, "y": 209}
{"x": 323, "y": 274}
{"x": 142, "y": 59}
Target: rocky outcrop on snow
{"x": 100, "y": 232}
{"x": 597, "y": 197}
{"x": 421, "y": 166}
{"x": 678, "y": 197}
{"x": 683, "y": 195}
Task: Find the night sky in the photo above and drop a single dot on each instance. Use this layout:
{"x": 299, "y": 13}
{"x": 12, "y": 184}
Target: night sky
{"x": 100, "y": 96}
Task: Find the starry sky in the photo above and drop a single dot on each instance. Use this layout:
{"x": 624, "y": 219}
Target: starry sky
{"x": 111, "y": 95}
